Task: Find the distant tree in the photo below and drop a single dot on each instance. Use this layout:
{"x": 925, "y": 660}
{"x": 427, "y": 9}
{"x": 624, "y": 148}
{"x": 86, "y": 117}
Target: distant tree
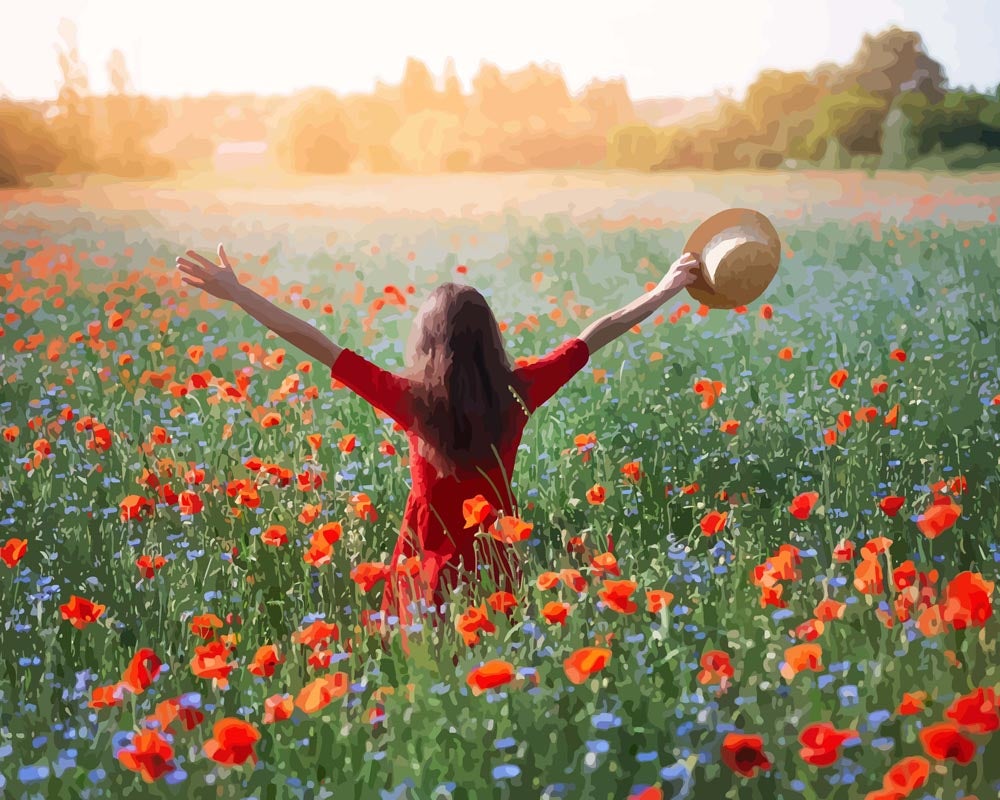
{"x": 316, "y": 136}
{"x": 609, "y": 105}
{"x": 72, "y": 125}
{"x": 633, "y": 147}
{"x": 892, "y": 62}
{"x": 27, "y": 146}
{"x": 452, "y": 100}
{"x": 127, "y": 124}
{"x": 374, "y": 121}
{"x": 417, "y": 89}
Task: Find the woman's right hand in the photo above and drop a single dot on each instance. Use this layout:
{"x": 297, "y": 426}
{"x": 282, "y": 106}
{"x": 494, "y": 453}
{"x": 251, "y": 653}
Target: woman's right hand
{"x": 683, "y": 272}
{"x": 218, "y": 281}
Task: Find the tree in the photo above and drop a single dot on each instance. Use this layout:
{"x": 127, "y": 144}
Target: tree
{"x": 316, "y": 136}
{"x": 890, "y": 63}
{"x": 72, "y": 125}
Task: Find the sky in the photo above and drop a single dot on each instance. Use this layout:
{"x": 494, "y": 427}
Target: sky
{"x": 661, "y": 49}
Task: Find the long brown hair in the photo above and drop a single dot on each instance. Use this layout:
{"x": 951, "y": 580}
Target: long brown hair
{"x": 464, "y": 384}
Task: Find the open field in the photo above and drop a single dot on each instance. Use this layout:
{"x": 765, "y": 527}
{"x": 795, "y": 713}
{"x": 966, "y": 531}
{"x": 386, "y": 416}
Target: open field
{"x": 748, "y": 572}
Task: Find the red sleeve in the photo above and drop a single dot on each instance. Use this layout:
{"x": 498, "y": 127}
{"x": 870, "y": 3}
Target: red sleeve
{"x": 547, "y": 375}
{"x": 383, "y": 389}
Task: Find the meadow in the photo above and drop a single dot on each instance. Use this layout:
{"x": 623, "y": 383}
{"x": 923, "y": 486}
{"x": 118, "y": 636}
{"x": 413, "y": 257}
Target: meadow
{"x": 763, "y": 542}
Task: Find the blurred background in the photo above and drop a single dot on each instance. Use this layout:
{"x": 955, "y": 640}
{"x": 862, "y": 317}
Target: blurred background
{"x": 134, "y": 91}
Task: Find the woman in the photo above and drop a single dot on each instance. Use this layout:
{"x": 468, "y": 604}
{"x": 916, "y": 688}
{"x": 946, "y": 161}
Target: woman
{"x": 463, "y": 408}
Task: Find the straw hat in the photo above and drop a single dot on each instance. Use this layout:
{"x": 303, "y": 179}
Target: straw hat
{"x": 740, "y": 252}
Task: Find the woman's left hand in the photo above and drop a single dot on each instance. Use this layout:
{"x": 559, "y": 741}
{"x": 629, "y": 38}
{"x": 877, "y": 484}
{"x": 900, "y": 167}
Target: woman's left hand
{"x": 218, "y": 281}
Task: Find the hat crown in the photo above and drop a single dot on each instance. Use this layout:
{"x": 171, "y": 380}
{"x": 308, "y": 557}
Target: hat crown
{"x": 740, "y": 252}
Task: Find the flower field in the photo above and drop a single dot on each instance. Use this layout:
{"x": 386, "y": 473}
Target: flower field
{"x": 761, "y": 545}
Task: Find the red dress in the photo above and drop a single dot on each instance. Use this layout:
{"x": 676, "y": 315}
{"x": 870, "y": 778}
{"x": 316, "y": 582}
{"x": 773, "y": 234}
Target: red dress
{"x": 433, "y": 525}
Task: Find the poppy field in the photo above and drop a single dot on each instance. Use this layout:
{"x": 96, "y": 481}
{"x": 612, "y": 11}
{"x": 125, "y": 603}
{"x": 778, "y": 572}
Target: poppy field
{"x": 761, "y": 546}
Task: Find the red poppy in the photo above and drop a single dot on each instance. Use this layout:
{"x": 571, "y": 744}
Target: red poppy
{"x": 278, "y": 707}
{"x": 605, "y": 562}
{"x": 890, "y": 505}
{"x": 617, "y": 595}
{"x": 190, "y": 503}
{"x": 838, "y": 378}
{"x": 744, "y": 753}
{"x": 135, "y": 507}
{"x": 170, "y": 710}
{"x": 141, "y": 671}
{"x": 347, "y": 443}
{"x": 573, "y": 579}
{"x": 13, "y": 551}
{"x": 502, "y": 602}
{"x": 713, "y": 522}
{"x": 81, "y": 612}
{"x": 547, "y": 580}
{"x": 632, "y": 471}
{"x": 802, "y": 504}
{"x": 967, "y": 600}
{"x": 473, "y": 620}
{"x": 149, "y": 754}
{"x": 844, "y": 551}
{"x": 204, "y": 625}
{"x": 509, "y": 529}
{"x": 477, "y": 511}
{"x": 319, "y": 693}
{"x": 809, "y": 630}
{"x": 821, "y": 743}
{"x": 912, "y": 703}
{"x": 596, "y": 495}
{"x": 490, "y": 675}
{"x": 232, "y": 742}
{"x": 555, "y": 612}
{"x": 107, "y": 696}
{"x": 275, "y": 536}
{"x": 211, "y": 663}
{"x": 265, "y": 660}
{"x": 938, "y": 517}
{"x": 829, "y": 610}
{"x": 367, "y": 574}
{"x": 715, "y": 668}
{"x": 907, "y": 775}
{"x": 657, "y": 600}
{"x": 316, "y": 633}
{"x": 946, "y": 741}
{"x": 148, "y": 565}
{"x": 583, "y": 663}
{"x": 801, "y": 657}
{"x": 976, "y": 711}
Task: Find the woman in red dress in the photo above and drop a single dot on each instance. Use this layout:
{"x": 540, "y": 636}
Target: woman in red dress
{"x": 463, "y": 407}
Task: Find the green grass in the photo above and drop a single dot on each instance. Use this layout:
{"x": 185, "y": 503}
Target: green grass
{"x": 841, "y": 300}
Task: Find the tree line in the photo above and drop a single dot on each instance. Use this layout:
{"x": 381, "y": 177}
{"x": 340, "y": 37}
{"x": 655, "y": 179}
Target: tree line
{"x": 890, "y": 107}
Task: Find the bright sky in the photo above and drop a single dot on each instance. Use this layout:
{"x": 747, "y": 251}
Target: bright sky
{"x": 663, "y": 48}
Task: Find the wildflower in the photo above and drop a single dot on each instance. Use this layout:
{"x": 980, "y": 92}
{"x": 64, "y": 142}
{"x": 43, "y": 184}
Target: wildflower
{"x": 490, "y": 675}
{"x": 744, "y": 753}
{"x": 81, "y": 612}
{"x": 583, "y": 663}
{"x": 232, "y": 742}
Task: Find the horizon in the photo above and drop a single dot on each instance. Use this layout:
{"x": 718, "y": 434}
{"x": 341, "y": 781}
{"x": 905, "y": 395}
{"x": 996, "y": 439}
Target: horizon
{"x": 757, "y": 35}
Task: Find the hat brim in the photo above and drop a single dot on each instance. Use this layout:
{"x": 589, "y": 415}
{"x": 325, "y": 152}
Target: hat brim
{"x": 700, "y": 289}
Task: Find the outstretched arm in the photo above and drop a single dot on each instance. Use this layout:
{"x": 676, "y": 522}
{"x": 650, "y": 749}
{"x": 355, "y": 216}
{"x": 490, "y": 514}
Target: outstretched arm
{"x": 221, "y": 282}
{"x": 682, "y": 272}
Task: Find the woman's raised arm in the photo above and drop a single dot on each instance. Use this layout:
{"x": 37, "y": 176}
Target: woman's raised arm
{"x": 221, "y": 282}
{"x": 682, "y": 272}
